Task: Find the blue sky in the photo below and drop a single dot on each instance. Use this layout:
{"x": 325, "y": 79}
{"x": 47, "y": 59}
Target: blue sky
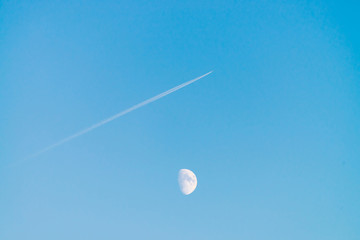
{"x": 273, "y": 134}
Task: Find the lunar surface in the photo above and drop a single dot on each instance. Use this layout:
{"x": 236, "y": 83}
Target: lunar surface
{"x": 187, "y": 181}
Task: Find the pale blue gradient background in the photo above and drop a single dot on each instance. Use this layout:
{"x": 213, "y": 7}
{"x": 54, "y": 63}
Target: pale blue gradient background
{"x": 273, "y": 134}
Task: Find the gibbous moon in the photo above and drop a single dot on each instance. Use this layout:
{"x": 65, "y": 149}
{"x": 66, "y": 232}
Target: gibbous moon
{"x": 187, "y": 181}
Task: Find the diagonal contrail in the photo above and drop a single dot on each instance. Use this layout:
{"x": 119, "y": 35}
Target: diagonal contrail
{"x": 139, "y": 105}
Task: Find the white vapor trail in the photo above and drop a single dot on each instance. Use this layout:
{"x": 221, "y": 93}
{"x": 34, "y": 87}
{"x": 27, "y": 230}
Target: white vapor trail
{"x": 120, "y": 114}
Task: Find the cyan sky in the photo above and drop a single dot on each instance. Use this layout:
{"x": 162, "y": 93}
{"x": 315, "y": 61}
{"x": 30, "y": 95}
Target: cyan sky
{"x": 273, "y": 134}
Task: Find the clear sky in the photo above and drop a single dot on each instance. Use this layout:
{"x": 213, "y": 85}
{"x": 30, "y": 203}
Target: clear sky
{"x": 273, "y": 134}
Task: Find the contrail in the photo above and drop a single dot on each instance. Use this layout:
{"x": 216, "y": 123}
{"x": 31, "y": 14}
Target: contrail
{"x": 120, "y": 114}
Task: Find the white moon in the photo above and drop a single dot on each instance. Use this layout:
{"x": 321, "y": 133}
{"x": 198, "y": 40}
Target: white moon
{"x": 187, "y": 181}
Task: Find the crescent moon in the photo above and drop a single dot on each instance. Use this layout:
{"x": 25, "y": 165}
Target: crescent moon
{"x": 187, "y": 181}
